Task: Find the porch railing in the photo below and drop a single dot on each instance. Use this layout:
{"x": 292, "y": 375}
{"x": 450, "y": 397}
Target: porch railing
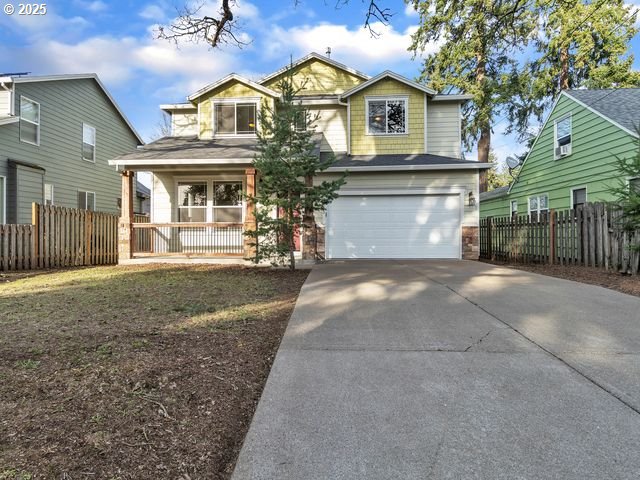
{"x": 190, "y": 239}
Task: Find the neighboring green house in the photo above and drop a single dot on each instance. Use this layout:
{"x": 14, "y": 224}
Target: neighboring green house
{"x": 57, "y": 134}
{"x": 573, "y": 159}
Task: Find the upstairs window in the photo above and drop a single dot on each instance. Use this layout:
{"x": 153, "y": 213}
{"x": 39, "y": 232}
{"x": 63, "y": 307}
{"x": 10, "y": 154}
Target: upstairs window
{"x": 578, "y": 197}
{"x": 29, "y": 121}
{"x": 86, "y": 200}
{"x": 562, "y": 137}
{"x": 235, "y": 118}
{"x": 387, "y": 116}
{"x": 301, "y": 120}
{"x": 88, "y": 143}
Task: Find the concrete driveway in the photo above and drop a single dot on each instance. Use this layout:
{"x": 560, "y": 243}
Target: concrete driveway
{"x": 450, "y": 369}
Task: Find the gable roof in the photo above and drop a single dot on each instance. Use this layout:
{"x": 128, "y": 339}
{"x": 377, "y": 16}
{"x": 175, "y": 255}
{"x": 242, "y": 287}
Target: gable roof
{"x": 382, "y": 76}
{"x": 81, "y": 76}
{"x": 495, "y": 193}
{"x": 237, "y": 78}
{"x": 621, "y": 106}
{"x": 321, "y": 58}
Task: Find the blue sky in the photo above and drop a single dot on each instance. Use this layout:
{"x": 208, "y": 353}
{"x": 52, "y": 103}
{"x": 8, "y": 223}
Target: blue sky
{"x": 115, "y": 39}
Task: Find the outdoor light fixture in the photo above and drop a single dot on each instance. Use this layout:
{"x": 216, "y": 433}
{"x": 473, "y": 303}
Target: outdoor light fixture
{"x": 472, "y": 200}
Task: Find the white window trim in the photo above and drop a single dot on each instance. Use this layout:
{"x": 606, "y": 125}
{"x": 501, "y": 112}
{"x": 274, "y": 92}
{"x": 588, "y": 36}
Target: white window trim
{"x": 555, "y": 135}
{"x": 44, "y": 197}
{"x": 95, "y": 199}
{"x": 512, "y": 211}
{"x": 37, "y": 144}
{"x": 538, "y": 197}
{"x": 95, "y": 142}
{"x": 235, "y": 101}
{"x": 3, "y": 212}
{"x": 209, "y": 180}
{"x": 631, "y": 179}
{"x": 386, "y": 98}
{"x": 586, "y": 194}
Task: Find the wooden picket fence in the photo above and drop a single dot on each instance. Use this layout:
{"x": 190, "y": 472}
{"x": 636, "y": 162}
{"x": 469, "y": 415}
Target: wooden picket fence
{"x": 60, "y": 237}
{"x": 591, "y": 235}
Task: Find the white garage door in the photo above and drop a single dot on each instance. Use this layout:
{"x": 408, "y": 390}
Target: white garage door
{"x": 394, "y": 226}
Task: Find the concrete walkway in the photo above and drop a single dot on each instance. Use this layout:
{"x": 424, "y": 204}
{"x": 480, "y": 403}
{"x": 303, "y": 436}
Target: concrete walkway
{"x": 450, "y": 369}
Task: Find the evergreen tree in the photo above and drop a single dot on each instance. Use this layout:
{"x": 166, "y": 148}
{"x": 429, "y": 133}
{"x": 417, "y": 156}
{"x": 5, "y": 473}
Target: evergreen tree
{"x": 578, "y": 44}
{"x": 479, "y": 40}
{"x": 286, "y": 163}
{"x": 627, "y": 192}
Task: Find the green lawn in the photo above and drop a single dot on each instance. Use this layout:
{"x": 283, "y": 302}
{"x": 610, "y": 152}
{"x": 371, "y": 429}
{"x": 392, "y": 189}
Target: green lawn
{"x": 135, "y": 372}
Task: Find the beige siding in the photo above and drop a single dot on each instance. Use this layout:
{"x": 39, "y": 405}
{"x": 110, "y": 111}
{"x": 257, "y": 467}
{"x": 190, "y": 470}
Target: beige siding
{"x": 161, "y": 195}
{"x": 184, "y": 123}
{"x": 443, "y": 128}
{"x": 437, "y": 179}
{"x": 332, "y": 123}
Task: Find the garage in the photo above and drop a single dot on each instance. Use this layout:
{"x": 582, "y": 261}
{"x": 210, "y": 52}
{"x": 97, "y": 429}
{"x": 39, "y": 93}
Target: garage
{"x": 394, "y": 226}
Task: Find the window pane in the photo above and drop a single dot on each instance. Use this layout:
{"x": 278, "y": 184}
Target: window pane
{"x": 28, "y": 132}
{"x": 192, "y": 214}
{"x": 88, "y": 152}
{"x": 533, "y": 203}
{"x": 395, "y": 116}
{"x": 246, "y": 113}
{"x": 579, "y": 196}
{"x": 634, "y": 185}
{"x": 563, "y": 129}
{"x": 88, "y": 135}
{"x": 227, "y": 214}
{"x": 544, "y": 202}
{"x": 377, "y": 116}
{"x": 227, "y": 193}
{"x": 82, "y": 200}
{"x": 29, "y": 110}
{"x": 514, "y": 206}
{"x": 225, "y": 118}
{"x": 48, "y": 194}
{"x": 300, "y": 123}
{"x": 192, "y": 194}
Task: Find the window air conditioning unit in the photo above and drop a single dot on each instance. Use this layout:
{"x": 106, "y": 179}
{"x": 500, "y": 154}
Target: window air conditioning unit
{"x": 563, "y": 150}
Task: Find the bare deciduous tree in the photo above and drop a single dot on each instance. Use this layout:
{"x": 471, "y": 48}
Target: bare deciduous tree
{"x": 192, "y": 26}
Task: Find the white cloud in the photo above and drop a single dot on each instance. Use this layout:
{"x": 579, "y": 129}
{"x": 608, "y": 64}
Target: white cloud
{"x": 95, "y": 6}
{"x": 153, "y": 12}
{"x": 409, "y": 11}
{"x": 357, "y": 48}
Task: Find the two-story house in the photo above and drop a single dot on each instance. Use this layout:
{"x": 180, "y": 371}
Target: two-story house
{"x": 409, "y": 193}
{"x": 57, "y": 134}
{"x": 574, "y": 158}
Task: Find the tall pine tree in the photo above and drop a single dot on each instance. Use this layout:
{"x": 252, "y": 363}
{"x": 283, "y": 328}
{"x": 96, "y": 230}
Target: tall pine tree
{"x": 578, "y": 44}
{"x": 479, "y": 40}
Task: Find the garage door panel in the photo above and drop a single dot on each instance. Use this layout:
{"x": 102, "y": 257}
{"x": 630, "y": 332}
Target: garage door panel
{"x": 394, "y": 226}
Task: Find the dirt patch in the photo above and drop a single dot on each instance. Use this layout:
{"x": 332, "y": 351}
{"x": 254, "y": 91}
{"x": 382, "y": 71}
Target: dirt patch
{"x": 629, "y": 284}
{"x": 141, "y": 372}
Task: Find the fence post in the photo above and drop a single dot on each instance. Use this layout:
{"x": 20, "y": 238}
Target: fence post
{"x": 35, "y": 220}
{"x": 552, "y": 236}
{"x": 489, "y": 239}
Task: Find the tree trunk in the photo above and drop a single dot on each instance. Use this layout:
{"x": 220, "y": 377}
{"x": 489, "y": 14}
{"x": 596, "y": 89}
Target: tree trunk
{"x": 564, "y": 69}
{"x": 484, "y": 142}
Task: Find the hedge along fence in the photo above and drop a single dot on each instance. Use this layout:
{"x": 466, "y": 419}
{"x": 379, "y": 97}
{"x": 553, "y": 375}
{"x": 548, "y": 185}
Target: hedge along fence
{"x": 60, "y": 237}
{"x": 591, "y": 235}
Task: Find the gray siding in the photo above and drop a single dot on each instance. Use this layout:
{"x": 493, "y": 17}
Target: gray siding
{"x": 64, "y": 106}
{"x": 29, "y": 184}
{"x": 443, "y": 129}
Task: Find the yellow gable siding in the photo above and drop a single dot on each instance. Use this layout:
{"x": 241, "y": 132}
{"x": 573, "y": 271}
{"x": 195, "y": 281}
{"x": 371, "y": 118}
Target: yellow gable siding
{"x": 321, "y": 79}
{"x": 413, "y": 142}
{"x": 233, "y": 89}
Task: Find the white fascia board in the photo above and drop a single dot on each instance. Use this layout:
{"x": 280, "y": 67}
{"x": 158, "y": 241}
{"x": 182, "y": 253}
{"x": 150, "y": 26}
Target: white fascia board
{"x": 8, "y": 120}
{"x": 178, "y": 106}
{"x": 317, "y": 56}
{"x": 400, "y": 168}
{"x": 180, "y": 161}
{"x": 388, "y": 74}
{"x": 318, "y": 101}
{"x": 238, "y": 78}
{"x": 451, "y": 98}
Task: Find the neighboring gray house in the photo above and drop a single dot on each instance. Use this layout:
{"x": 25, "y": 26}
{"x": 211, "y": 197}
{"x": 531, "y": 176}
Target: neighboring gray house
{"x": 142, "y": 202}
{"x": 57, "y": 134}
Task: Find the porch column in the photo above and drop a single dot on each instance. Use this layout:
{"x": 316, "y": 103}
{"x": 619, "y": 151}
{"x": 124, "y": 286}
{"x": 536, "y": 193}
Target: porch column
{"x": 125, "y": 230}
{"x": 250, "y": 217}
{"x": 309, "y": 230}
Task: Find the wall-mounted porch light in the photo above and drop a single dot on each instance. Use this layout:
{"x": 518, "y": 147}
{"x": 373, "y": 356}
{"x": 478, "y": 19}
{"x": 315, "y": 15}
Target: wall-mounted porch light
{"x": 472, "y": 200}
